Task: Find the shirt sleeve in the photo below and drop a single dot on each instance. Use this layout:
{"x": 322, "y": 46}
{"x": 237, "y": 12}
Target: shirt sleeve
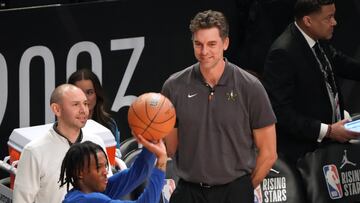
{"x": 127, "y": 180}
{"x": 261, "y": 112}
{"x": 153, "y": 191}
{"x": 27, "y": 181}
{"x": 322, "y": 133}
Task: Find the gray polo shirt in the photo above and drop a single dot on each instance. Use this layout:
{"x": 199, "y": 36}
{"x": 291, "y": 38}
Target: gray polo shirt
{"x": 215, "y": 135}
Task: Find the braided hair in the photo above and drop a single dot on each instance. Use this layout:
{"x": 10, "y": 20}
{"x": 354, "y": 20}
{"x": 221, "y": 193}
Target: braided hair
{"x": 74, "y": 162}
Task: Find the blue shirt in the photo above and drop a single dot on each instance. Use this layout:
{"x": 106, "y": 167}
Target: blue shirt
{"x": 124, "y": 182}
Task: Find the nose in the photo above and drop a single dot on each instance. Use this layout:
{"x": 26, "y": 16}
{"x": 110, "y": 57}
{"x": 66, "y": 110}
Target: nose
{"x": 204, "y": 50}
{"x": 105, "y": 170}
{"x": 84, "y": 108}
{"x": 333, "y": 21}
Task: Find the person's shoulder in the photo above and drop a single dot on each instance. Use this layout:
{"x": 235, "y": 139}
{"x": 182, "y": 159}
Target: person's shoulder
{"x": 179, "y": 79}
{"x": 244, "y": 75}
{"x": 246, "y": 80}
{"x": 38, "y": 143}
{"x": 182, "y": 73}
{"x": 287, "y": 38}
{"x": 87, "y": 136}
{"x": 97, "y": 196}
{"x": 76, "y": 196}
{"x": 113, "y": 127}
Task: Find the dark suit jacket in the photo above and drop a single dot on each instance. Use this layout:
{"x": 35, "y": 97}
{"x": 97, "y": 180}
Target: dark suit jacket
{"x": 297, "y": 90}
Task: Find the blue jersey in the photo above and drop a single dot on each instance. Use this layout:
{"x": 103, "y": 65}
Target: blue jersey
{"x": 124, "y": 182}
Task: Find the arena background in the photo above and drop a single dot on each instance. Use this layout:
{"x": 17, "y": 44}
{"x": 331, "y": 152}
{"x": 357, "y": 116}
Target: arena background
{"x": 133, "y": 46}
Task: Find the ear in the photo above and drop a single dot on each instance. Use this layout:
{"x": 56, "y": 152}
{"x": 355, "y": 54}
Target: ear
{"x": 226, "y": 43}
{"x": 81, "y": 176}
{"x": 307, "y": 21}
{"x": 56, "y": 109}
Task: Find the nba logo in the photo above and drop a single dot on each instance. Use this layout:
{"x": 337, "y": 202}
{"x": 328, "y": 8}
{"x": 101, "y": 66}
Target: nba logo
{"x": 258, "y": 195}
{"x": 333, "y": 181}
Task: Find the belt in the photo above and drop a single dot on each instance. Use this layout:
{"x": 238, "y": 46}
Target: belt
{"x": 205, "y": 185}
{"x": 201, "y": 184}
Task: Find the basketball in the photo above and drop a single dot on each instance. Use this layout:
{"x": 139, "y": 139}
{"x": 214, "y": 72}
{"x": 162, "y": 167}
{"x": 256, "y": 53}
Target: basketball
{"x": 152, "y": 115}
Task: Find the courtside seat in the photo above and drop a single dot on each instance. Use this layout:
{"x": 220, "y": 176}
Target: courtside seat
{"x": 128, "y": 145}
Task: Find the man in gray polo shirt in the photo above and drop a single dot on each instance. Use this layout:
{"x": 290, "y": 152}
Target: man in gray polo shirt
{"x": 224, "y": 143}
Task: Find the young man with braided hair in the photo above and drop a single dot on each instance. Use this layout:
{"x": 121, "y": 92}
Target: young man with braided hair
{"x": 85, "y": 168}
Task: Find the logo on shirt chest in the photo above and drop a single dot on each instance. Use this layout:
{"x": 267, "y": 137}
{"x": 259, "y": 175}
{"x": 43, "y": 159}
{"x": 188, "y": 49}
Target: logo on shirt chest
{"x": 191, "y": 95}
{"x": 231, "y": 96}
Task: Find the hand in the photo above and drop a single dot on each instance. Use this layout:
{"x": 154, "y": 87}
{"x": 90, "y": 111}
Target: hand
{"x": 156, "y": 147}
{"x": 339, "y": 133}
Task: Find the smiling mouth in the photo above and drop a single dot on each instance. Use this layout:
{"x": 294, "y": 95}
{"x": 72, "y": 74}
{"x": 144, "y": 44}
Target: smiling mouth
{"x": 83, "y": 119}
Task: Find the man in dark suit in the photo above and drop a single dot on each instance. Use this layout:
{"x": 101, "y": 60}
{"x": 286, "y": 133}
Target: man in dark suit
{"x": 300, "y": 75}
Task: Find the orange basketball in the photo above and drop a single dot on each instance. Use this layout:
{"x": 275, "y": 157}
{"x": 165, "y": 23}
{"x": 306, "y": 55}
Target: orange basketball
{"x": 152, "y": 115}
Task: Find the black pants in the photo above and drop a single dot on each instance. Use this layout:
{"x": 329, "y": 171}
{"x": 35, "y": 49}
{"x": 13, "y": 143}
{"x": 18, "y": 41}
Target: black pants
{"x": 237, "y": 191}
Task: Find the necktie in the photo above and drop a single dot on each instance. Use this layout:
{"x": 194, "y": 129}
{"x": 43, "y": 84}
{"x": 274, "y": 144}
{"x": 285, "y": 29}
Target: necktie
{"x": 326, "y": 68}
{"x": 329, "y": 79}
